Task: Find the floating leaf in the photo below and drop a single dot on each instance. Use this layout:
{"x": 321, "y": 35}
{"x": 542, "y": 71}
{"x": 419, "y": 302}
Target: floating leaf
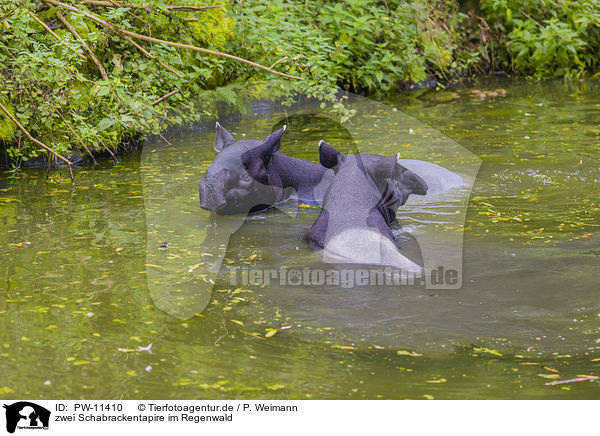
{"x": 549, "y": 375}
{"x": 344, "y": 347}
{"x": 6, "y": 390}
{"x": 486, "y": 350}
{"x": 408, "y": 353}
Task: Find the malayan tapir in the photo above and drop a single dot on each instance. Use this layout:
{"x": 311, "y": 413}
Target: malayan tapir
{"x": 359, "y": 206}
{"x": 252, "y": 175}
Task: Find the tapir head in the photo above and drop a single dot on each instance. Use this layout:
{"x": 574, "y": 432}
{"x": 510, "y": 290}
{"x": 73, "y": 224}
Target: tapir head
{"x": 394, "y": 182}
{"x": 241, "y": 178}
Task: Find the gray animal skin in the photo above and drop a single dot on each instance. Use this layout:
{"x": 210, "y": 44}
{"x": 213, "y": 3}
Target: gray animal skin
{"x": 440, "y": 181}
{"x": 251, "y": 175}
{"x": 359, "y": 206}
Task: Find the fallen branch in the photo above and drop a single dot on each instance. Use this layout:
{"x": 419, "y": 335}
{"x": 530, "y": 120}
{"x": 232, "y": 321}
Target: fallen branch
{"x": 85, "y": 46}
{"x": 573, "y": 380}
{"x": 151, "y": 56}
{"x": 192, "y": 8}
{"x": 164, "y": 97}
{"x": 78, "y": 137}
{"x": 102, "y": 143}
{"x": 111, "y": 153}
{"x": 160, "y": 41}
{"x": 280, "y": 60}
{"x": 45, "y": 26}
{"x": 131, "y": 5}
{"x": 12, "y": 11}
{"x": 532, "y": 19}
{"x": 165, "y": 139}
{"x": 35, "y": 141}
{"x": 137, "y": 17}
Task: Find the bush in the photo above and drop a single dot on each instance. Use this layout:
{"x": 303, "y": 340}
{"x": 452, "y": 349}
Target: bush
{"x": 360, "y": 45}
{"x": 546, "y": 38}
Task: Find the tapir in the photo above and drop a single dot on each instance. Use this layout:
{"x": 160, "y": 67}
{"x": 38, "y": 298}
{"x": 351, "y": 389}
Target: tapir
{"x": 252, "y": 175}
{"x": 359, "y": 206}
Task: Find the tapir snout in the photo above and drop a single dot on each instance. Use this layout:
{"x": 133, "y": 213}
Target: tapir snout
{"x": 212, "y": 190}
{"x": 420, "y": 187}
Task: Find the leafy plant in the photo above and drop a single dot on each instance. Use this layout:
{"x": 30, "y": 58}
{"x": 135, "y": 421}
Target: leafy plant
{"x": 547, "y": 38}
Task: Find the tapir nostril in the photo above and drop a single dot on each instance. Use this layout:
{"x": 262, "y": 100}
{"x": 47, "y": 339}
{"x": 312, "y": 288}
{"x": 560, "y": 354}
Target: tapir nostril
{"x": 211, "y": 199}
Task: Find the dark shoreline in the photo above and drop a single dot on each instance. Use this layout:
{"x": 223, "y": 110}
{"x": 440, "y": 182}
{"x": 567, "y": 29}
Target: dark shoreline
{"x": 80, "y": 159}
{"x": 258, "y": 108}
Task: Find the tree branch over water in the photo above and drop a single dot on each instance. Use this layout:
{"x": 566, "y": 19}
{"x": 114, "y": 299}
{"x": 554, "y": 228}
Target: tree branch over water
{"x": 45, "y": 26}
{"x": 89, "y": 50}
{"x": 35, "y": 141}
{"x": 120, "y": 31}
{"x": 112, "y": 4}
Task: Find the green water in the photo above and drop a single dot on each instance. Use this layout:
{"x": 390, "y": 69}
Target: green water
{"x": 77, "y": 268}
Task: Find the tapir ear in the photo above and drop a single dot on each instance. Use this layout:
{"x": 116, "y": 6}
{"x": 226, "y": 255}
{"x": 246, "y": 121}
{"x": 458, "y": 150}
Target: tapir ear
{"x": 222, "y": 139}
{"x": 329, "y": 156}
{"x": 257, "y": 159}
{"x": 389, "y": 168}
{"x": 272, "y": 143}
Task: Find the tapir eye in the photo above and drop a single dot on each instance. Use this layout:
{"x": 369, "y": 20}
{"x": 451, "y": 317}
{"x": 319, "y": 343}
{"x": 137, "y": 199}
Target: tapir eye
{"x": 245, "y": 176}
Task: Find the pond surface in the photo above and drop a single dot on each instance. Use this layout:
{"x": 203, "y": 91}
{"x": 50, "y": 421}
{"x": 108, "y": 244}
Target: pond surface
{"x": 86, "y": 281}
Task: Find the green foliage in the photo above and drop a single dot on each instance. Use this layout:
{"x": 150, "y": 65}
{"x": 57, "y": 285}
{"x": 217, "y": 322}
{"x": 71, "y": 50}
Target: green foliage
{"x": 359, "y": 45}
{"x": 7, "y": 127}
{"x": 53, "y": 90}
{"x": 546, "y": 38}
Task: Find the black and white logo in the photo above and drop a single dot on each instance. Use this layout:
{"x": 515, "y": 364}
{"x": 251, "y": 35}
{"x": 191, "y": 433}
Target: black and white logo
{"x": 26, "y": 415}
